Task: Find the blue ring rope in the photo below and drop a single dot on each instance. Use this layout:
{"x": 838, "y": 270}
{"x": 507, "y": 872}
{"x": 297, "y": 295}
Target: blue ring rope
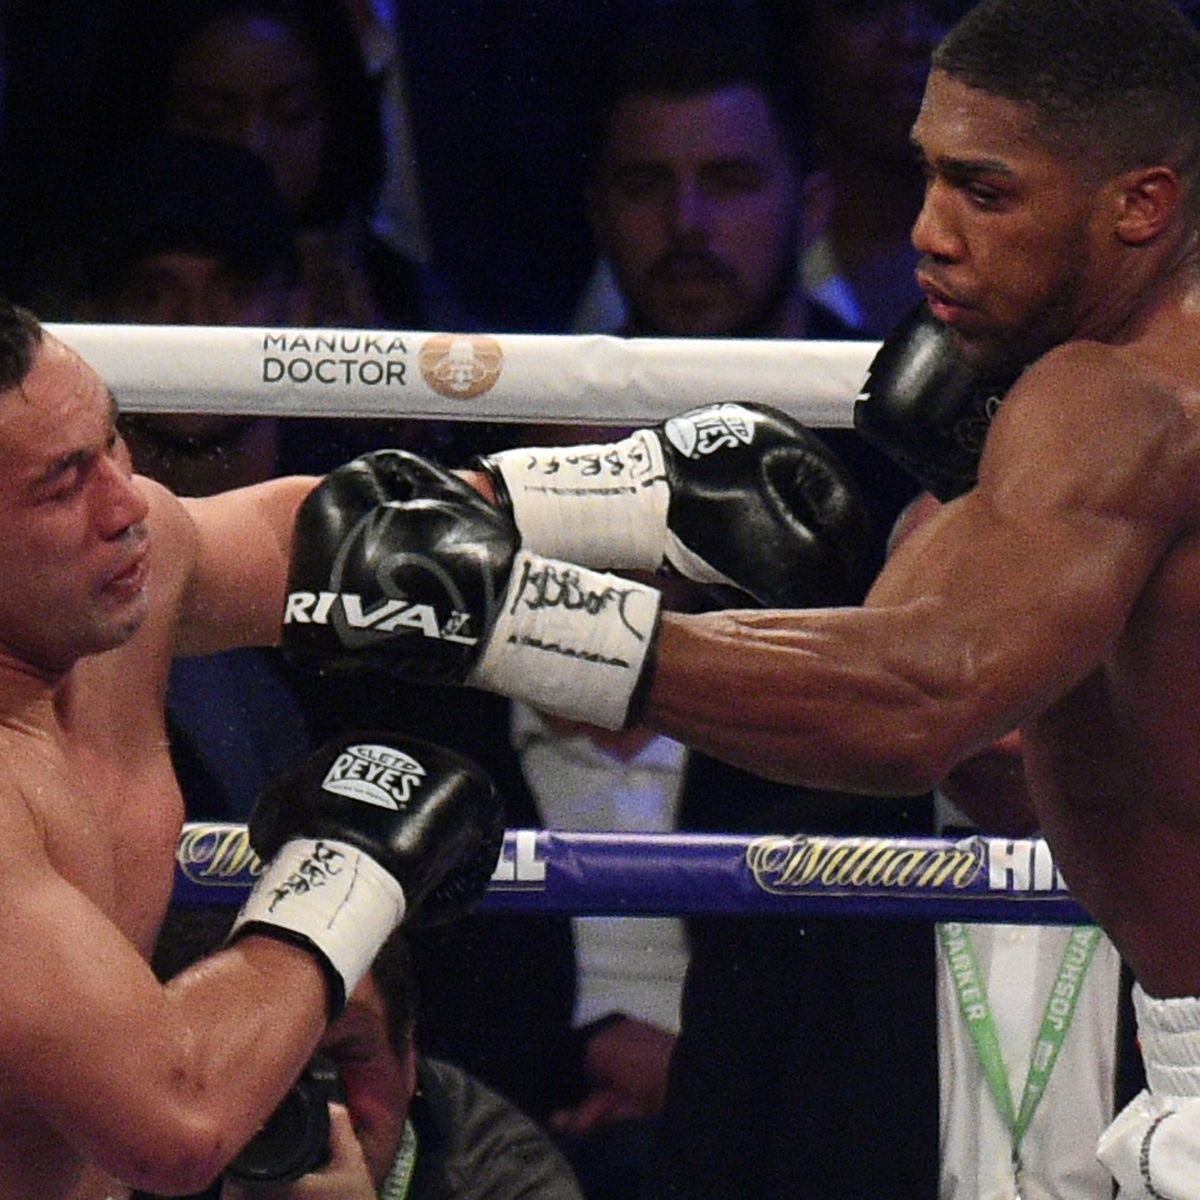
{"x": 637, "y": 874}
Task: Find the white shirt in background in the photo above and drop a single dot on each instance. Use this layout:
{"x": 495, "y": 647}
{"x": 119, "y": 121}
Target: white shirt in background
{"x": 1018, "y": 965}
{"x": 633, "y": 965}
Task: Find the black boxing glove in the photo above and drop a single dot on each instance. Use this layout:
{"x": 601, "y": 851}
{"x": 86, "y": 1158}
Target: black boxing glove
{"x": 400, "y": 566}
{"x": 371, "y": 830}
{"x": 926, "y": 408}
{"x": 729, "y": 495}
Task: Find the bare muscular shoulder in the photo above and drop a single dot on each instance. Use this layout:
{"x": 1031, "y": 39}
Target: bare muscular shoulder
{"x": 1004, "y": 602}
{"x": 1091, "y": 428}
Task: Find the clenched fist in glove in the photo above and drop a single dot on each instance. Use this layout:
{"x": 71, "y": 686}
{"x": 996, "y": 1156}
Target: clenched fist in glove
{"x": 928, "y": 409}
{"x": 729, "y": 495}
{"x": 371, "y": 830}
{"x": 400, "y": 566}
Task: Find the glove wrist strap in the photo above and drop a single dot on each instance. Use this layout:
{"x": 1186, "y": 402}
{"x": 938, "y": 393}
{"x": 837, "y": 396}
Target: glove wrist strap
{"x": 603, "y": 505}
{"x": 330, "y": 898}
{"x": 570, "y": 641}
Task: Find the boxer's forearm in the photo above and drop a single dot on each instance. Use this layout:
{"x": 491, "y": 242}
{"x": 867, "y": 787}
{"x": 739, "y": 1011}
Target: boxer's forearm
{"x": 818, "y": 699}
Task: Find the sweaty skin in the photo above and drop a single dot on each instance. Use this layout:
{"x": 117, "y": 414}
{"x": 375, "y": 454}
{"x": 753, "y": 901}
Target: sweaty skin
{"x": 1060, "y": 597}
{"x": 102, "y": 576}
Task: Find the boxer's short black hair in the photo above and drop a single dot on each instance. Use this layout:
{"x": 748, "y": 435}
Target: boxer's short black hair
{"x": 20, "y": 336}
{"x": 1113, "y": 83}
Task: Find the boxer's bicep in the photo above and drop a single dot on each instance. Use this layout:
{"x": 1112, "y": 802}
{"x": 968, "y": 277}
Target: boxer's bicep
{"x": 235, "y": 590}
{"x": 1035, "y": 572}
{"x": 998, "y": 605}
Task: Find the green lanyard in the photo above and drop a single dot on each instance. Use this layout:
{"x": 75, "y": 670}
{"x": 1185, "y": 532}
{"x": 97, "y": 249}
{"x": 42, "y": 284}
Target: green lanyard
{"x": 1056, "y": 1018}
{"x": 396, "y": 1185}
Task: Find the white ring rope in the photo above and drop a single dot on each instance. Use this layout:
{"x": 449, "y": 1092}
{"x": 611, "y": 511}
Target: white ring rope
{"x": 591, "y": 379}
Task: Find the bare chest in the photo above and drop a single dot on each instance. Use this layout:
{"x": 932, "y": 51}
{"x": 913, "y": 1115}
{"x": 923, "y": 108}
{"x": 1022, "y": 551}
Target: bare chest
{"x": 1130, "y": 733}
{"x": 111, "y": 810}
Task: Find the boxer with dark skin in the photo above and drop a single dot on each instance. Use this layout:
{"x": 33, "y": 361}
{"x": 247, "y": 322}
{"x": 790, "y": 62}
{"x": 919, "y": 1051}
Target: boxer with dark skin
{"x": 1060, "y": 595}
{"x": 103, "y": 577}
{"x": 1059, "y": 598}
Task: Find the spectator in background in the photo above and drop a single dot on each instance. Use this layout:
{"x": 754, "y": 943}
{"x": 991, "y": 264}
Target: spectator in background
{"x": 697, "y": 168}
{"x": 860, "y": 68}
{"x": 410, "y": 1126}
{"x": 855, "y": 71}
{"x": 286, "y": 79}
{"x": 183, "y": 230}
{"x": 698, "y": 164}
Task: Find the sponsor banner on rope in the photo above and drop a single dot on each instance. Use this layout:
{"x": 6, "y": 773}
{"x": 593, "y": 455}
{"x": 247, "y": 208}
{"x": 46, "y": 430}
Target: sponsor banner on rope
{"x": 973, "y": 879}
{"x": 593, "y": 379}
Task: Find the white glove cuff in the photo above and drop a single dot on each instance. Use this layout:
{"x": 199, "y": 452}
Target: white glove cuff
{"x": 570, "y": 641}
{"x": 1153, "y": 1148}
{"x": 602, "y": 505}
{"x": 331, "y": 898}
{"x": 1169, "y": 1034}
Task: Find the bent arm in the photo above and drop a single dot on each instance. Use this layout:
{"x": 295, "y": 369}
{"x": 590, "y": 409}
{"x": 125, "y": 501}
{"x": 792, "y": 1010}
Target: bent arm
{"x": 158, "y": 1086}
{"x": 235, "y": 577}
{"x": 995, "y": 608}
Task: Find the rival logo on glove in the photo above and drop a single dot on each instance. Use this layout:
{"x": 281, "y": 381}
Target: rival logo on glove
{"x": 375, "y": 774}
{"x": 391, "y": 616}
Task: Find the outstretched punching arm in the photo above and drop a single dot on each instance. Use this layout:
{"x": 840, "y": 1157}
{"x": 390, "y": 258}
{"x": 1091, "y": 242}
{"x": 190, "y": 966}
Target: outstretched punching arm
{"x": 225, "y": 558}
{"x": 1000, "y": 604}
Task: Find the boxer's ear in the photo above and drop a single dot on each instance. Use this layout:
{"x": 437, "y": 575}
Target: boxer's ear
{"x": 1146, "y": 202}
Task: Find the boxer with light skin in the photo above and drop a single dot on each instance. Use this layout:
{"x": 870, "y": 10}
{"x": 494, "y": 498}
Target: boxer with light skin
{"x": 103, "y": 576}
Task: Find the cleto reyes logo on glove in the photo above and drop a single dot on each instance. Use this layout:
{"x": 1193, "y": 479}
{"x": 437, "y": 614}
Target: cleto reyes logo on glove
{"x": 374, "y": 774}
{"x": 704, "y": 431}
{"x": 344, "y": 611}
